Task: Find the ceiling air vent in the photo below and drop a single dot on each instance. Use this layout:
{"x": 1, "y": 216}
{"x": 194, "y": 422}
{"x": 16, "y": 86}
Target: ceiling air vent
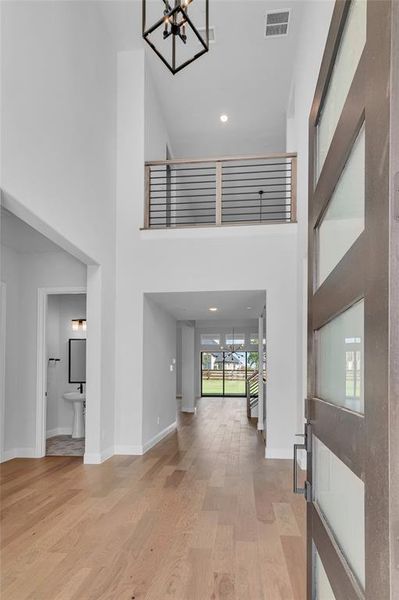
{"x": 277, "y": 23}
{"x": 202, "y": 32}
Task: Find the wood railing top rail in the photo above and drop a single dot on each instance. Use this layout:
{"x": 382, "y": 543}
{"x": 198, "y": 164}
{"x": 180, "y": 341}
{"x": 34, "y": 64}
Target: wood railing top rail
{"x": 184, "y": 161}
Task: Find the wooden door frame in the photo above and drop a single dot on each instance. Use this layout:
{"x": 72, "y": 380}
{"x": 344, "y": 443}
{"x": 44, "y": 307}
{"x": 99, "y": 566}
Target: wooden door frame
{"x": 362, "y": 442}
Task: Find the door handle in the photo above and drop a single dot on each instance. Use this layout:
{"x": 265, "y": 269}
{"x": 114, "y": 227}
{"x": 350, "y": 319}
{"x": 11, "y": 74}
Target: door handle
{"x": 306, "y": 445}
{"x": 296, "y": 488}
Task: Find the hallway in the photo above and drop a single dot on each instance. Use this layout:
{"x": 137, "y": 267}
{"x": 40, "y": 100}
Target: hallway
{"x": 200, "y": 516}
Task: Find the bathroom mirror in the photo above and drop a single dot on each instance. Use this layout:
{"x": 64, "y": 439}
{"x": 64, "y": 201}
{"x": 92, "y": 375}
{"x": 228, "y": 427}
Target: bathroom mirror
{"x": 77, "y": 360}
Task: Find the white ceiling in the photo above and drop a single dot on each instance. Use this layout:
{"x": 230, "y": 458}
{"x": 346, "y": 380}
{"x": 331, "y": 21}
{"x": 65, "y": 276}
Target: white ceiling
{"x": 194, "y": 306}
{"x": 19, "y": 236}
{"x": 243, "y": 75}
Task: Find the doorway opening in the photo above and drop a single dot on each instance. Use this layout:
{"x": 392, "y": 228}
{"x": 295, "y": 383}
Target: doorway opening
{"x": 65, "y": 354}
{"x": 227, "y": 373}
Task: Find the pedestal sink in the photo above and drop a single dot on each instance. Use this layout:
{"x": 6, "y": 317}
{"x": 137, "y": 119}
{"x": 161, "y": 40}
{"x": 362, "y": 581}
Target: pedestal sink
{"x": 78, "y": 425}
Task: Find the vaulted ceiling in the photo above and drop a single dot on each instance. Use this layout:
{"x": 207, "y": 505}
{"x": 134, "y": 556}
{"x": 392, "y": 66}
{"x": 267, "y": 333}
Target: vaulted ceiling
{"x": 245, "y": 75}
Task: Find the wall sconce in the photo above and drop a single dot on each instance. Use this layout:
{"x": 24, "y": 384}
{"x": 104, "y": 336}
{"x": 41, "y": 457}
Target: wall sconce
{"x": 79, "y": 325}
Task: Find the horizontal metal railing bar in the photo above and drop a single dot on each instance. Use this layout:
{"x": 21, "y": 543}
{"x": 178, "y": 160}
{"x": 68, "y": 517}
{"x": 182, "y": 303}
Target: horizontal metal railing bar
{"x": 188, "y": 210}
{"x": 205, "y": 216}
{"x": 192, "y": 189}
{"x": 264, "y": 200}
{"x": 257, "y": 179}
{"x": 263, "y": 213}
{"x": 186, "y": 223}
{"x": 255, "y": 173}
{"x": 247, "y": 209}
{"x": 284, "y": 220}
{"x": 232, "y": 187}
{"x": 195, "y": 205}
{"x": 252, "y": 193}
{"x": 178, "y": 197}
{"x": 185, "y": 182}
{"x": 181, "y": 169}
{"x": 188, "y": 161}
{"x": 189, "y": 202}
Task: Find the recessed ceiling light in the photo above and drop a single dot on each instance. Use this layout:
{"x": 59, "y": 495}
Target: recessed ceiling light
{"x": 224, "y": 118}
{"x": 213, "y": 309}
{"x": 249, "y": 307}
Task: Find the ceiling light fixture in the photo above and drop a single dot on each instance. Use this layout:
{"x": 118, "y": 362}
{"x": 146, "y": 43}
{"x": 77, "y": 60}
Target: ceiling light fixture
{"x": 179, "y": 32}
{"x": 249, "y": 307}
{"x": 224, "y": 118}
{"x": 213, "y": 309}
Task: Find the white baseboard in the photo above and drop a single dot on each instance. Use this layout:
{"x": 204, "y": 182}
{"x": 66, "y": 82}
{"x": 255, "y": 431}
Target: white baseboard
{"x": 187, "y": 410}
{"x": 284, "y": 453}
{"x": 96, "y": 458}
{"x": 158, "y": 437}
{"x": 19, "y": 453}
{"x": 129, "y": 450}
{"x": 58, "y": 431}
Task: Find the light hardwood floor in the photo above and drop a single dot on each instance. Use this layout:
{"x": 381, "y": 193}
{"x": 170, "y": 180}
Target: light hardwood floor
{"x": 201, "y": 516}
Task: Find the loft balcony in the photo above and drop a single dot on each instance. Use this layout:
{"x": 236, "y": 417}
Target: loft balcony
{"x": 227, "y": 191}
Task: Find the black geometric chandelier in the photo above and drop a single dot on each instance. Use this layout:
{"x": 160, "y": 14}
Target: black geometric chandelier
{"x": 174, "y": 37}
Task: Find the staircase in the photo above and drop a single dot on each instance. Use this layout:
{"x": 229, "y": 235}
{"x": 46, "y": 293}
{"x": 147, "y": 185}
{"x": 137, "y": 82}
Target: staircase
{"x": 252, "y": 393}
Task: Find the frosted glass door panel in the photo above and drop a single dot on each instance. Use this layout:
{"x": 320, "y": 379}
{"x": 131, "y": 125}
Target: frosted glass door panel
{"x": 340, "y": 496}
{"x": 348, "y": 56}
{"x": 339, "y": 359}
{"x": 323, "y": 589}
{"x": 343, "y": 220}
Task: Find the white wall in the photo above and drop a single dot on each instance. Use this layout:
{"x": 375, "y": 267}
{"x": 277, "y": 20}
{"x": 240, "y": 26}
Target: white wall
{"x": 59, "y": 161}
{"x": 179, "y": 261}
{"x": 24, "y": 274}
{"x": 188, "y": 370}
{"x": 61, "y": 309}
{"x": 159, "y": 376}
{"x": 312, "y": 38}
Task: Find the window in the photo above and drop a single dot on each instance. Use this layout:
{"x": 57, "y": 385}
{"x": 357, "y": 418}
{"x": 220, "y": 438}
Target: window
{"x": 239, "y": 339}
{"x": 210, "y": 339}
{"x": 254, "y": 339}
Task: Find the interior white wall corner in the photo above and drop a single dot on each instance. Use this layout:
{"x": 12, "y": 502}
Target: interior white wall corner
{"x": 159, "y": 376}
{"x": 129, "y": 219}
{"x": 188, "y": 368}
{"x": 305, "y": 73}
{"x": 93, "y": 363}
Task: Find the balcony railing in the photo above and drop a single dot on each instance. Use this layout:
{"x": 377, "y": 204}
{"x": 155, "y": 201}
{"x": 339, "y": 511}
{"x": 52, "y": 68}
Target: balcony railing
{"x": 224, "y": 191}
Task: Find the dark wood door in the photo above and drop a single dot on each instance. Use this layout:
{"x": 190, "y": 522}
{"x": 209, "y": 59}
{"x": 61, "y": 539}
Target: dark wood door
{"x": 352, "y": 405}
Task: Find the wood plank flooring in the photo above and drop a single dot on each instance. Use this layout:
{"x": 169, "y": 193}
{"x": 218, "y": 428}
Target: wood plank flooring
{"x": 201, "y": 516}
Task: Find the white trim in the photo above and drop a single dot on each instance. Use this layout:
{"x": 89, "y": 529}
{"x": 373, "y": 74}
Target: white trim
{"x": 41, "y": 377}
{"x": 3, "y": 331}
{"x": 159, "y": 436}
{"x": 58, "y": 431}
{"x": 19, "y": 453}
{"x": 129, "y": 450}
{"x": 94, "y": 458}
{"x": 284, "y": 453}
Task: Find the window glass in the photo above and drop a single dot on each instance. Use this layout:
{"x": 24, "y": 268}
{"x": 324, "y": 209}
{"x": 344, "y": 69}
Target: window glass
{"x": 348, "y": 56}
{"x": 210, "y": 339}
{"x": 339, "y": 359}
{"x": 238, "y": 339}
{"x": 340, "y": 495}
{"x": 343, "y": 220}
